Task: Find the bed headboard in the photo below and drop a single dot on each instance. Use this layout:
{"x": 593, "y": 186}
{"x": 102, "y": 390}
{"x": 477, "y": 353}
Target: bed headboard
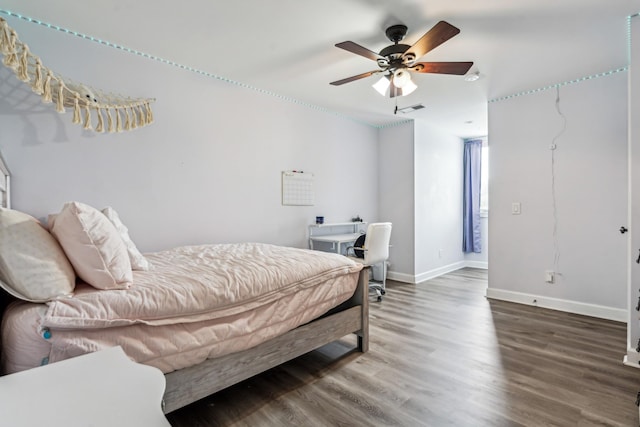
{"x": 5, "y": 184}
{"x": 5, "y": 201}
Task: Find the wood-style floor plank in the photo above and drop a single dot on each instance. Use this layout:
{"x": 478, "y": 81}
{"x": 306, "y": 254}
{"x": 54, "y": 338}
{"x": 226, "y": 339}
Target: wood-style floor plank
{"x": 441, "y": 354}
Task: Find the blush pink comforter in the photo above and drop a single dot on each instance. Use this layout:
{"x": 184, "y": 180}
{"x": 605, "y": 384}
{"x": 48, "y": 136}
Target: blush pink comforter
{"x": 197, "y": 302}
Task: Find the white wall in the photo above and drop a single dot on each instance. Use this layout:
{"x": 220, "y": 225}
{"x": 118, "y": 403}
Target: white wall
{"x": 207, "y": 170}
{"x": 396, "y": 198}
{"x": 421, "y": 193}
{"x": 591, "y": 188}
{"x": 438, "y": 211}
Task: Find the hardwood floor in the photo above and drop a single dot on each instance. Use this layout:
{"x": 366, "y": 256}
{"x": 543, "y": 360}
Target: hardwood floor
{"x": 443, "y": 355}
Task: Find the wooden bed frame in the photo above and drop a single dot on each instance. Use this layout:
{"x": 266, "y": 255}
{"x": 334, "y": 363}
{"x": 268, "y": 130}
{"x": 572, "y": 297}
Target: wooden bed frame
{"x": 190, "y": 384}
{"x": 196, "y": 382}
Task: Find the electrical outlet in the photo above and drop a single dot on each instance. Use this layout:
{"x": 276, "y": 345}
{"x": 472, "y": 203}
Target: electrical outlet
{"x": 549, "y": 276}
{"x": 440, "y": 253}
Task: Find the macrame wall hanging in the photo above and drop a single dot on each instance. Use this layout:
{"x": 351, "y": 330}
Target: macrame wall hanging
{"x": 119, "y": 112}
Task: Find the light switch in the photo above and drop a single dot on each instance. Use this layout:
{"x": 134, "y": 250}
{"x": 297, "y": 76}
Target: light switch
{"x": 516, "y": 208}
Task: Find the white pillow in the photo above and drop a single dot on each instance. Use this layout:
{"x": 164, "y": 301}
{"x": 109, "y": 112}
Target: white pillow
{"x": 93, "y": 246}
{"x": 138, "y": 261}
{"x": 33, "y": 266}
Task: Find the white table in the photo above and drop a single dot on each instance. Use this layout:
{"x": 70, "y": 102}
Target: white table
{"x": 335, "y": 233}
{"x": 101, "y": 389}
{"x": 337, "y": 240}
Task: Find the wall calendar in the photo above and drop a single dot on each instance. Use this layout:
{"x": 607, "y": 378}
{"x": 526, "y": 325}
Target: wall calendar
{"x": 297, "y": 188}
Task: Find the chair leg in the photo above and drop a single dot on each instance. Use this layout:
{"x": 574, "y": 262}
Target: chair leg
{"x": 374, "y": 286}
{"x": 380, "y": 286}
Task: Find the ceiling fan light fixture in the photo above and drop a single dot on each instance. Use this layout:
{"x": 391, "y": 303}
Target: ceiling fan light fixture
{"x": 401, "y": 78}
{"x": 405, "y": 90}
{"x": 382, "y": 85}
{"x": 408, "y": 88}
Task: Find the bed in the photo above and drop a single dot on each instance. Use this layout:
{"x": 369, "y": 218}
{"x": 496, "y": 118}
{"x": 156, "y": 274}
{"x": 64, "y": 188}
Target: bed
{"x": 208, "y": 316}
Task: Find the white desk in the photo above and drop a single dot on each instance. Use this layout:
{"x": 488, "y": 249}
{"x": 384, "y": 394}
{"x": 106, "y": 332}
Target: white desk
{"x": 335, "y": 233}
{"x": 101, "y": 389}
{"x": 336, "y": 240}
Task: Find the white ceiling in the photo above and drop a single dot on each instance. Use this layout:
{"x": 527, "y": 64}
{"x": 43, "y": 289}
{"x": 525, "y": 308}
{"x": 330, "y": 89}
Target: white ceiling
{"x": 287, "y": 46}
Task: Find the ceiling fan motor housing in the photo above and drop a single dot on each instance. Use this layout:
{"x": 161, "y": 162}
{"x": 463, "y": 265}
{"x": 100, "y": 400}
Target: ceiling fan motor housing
{"x": 394, "y": 56}
{"x": 395, "y": 33}
{"x": 394, "y": 51}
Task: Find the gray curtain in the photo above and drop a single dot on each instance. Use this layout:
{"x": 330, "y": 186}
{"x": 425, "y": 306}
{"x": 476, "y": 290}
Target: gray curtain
{"x": 471, "y": 238}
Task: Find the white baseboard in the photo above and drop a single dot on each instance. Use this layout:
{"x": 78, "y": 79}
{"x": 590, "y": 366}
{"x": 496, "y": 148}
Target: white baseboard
{"x": 477, "y": 264}
{"x": 632, "y": 358}
{"x": 593, "y": 310}
{"x": 401, "y": 277}
{"x": 431, "y": 274}
{"x": 585, "y": 309}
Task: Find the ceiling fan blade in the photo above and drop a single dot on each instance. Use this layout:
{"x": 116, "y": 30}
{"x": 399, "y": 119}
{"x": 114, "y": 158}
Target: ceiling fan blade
{"x": 437, "y": 35}
{"x": 352, "y": 78}
{"x": 358, "y": 50}
{"x": 457, "y": 68}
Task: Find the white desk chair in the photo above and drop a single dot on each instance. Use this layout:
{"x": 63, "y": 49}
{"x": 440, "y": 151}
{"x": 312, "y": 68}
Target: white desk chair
{"x": 375, "y": 251}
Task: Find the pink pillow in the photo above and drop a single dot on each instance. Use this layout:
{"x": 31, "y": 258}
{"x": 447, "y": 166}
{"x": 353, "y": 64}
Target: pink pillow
{"x": 138, "y": 261}
{"x": 93, "y": 245}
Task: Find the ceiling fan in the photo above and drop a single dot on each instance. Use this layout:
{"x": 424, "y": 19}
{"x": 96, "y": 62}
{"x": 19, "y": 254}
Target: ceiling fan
{"x": 397, "y": 61}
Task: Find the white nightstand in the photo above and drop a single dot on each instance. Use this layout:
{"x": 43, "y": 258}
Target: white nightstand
{"x": 104, "y": 388}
